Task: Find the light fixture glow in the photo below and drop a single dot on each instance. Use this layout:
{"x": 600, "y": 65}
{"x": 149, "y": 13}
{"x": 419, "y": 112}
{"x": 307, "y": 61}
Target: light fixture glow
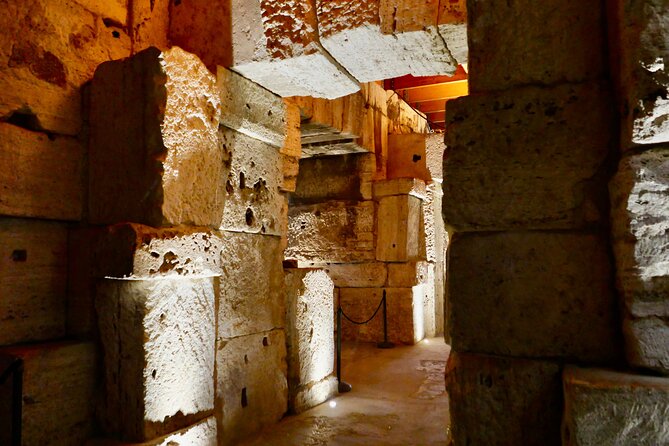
{"x": 427, "y": 341}
{"x": 333, "y": 404}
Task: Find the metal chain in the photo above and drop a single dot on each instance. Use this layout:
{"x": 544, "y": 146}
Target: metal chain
{"x": 365, "y": 322}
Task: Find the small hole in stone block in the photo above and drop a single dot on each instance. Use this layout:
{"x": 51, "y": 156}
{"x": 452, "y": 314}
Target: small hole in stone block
{"x": 154, "y": 254}
{"x": 245, "y": 401}
{"x": 162, "y": 317}
{"x": 250, "y": 219}
{"x": 394, "y": 245}
{"x": 269, "y": 112}
{"x": 116, "y": 34}
{"x": 177, "y": 2}
{"x": 242, "y": 180}
{"x": 265, "y": 341}
{"x": 246, "y": 359}
{"x": 248, "y": 106}
{"x": 20, "y": 255}
{"x": 228, "y": 187}
{"x": 154, "y": 373}
{"x": 416, "y": 158}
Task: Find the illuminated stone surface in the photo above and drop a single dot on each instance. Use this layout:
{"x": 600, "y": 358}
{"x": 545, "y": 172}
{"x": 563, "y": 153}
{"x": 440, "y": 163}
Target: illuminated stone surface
{"x": 400, "y": 229}
{"x": 199, "y": 434}
{"x": 358, "y": 275}
{"x": 159, "y": 348}
{"x": 407, "y": 156}
{"x": 154, "y": 154}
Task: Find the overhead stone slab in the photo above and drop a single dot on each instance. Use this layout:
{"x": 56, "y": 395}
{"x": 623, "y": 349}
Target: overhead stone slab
{"x": 644, "y": 51}
{"x": 158, "y": 337}
{"x": 274, "y": 43}
{"x": 154, "y": 153}
{"x": 49, "y": 51}
{"x": 520, "y": 400}
{"x": 608, "y": 407}
{"x": 357, "y": 275}
{"x": 528, "y": 158}
{"x": 453, "y": 28}
{"x": 536, "y": 293}
{"x": 382, "y": 39}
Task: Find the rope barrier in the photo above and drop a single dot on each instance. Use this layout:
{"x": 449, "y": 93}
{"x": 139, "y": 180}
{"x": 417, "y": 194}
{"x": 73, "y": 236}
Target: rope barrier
{"x": 368, "y": 320}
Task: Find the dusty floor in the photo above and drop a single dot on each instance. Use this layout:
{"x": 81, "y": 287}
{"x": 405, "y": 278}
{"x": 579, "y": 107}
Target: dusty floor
{"x": 398, "y": 398}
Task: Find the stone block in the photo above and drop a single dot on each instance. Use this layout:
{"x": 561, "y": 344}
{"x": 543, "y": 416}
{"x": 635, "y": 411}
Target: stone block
{"x": 329, "y": 178}
{"x": 536, "y": 293}
{"x": 33, "y": 280}
{"x": 258, "y": 113}
{"x": 646, "y": 342}
{"x": 59, "y": 381}
{"x": 436, "y": 236}
{"x": 337, "y": 232}
{"x": 519, "y": 399}
{"x": 453, "y": 28}
{"x": 199, "y": 434}
{"x": 407, "y": 156}
{"x": 400, "y": 229}
{"x": 252, "y": 298}
{"x": 407, "y": 274}
{"x": 607, "y": 407}
{"x": 132, "y": 250}
{"x": 511, "y": 159}
{"x": 525, "y": 42}
{"x": 405, "y": 314}
{"x": 155, "y": 156}
{"x": 400, "y": 186}
{"x": 273, "y": 43}
{"x": 60, "y": 45}
{"x": 434, "y": 155}
{"x": 644, "y": 77}
{"x": 314, "y": 394}
{"x": 251, "y": 387}
{"x": 429, "y": 303}
{"x": 150, "y": 21}
{"x": 358, "y": 275}
{"x": 42, "y": 175}
{"x": 309, "y": 335}
{"x": 384, "y": 39}
{"x": 251, "y": 183}
{"x": 159, "y": 351}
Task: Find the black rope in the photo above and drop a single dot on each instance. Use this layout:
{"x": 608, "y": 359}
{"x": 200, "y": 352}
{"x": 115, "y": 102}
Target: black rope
{"x": 362, "y": 323}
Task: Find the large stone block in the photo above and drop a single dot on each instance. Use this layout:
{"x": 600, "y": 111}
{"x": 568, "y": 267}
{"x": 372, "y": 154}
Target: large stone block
{"x": 273, "y": 43}
{"x": 527, "y": 158}
{"x": 643, "y": 27}
{"x": 200, "y": 434}
{"x": 42, "y": 175}
{"x": 329, "y": 178}
{"x": 59, "y": 381}
{"x": 251, "y": 182}
{"x": 337, "y": 232}
{"x": 384, "y": 39}
{"x": 33, "y": 280}
{"x": 155, "y": 156}
{"x": 407, "y": 156}
{"x": 149, "y": 21}
{"x": 251, "y": 387}
{"x": 400, "y": 186}
{"x": 309, "y": 336}
{"x": 526, "y": 42}
{"x": 503, "y": 401}
{"x": 436, "y": 236}
{"x": 252, "y": 298}
{"x": 407, "y": 274}
{"x": 434, "y": 155}
{"x": 256, "y": 112}
{"x": 132, "y": 250}
{"x": 535, "y": 293}
{"x": 49, "y": 50}
{"x": 607, "y": 407}
{"x": 358, "y": 275}
{"x": 159, "y": 351}
{"x": 401, "y": 234}
{"x": 405, "y": 313}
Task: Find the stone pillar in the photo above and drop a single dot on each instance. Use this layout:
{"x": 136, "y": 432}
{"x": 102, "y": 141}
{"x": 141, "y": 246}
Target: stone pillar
{"x": 525, "y": 175}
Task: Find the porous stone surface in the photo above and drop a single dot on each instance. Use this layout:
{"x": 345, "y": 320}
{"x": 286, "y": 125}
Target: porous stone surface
{"x": 436, "y": 237}
{"x": 251, "y": 181}
{"x": 383, "y": 39}
{"x": 400, "y": 229}
{"x": 58, "y": 393}
{"x": 309, "y": 335}
{"x": 407, "y": 274}
{"x": 405, "y": 314}
{"x": 251, "y": 287}
{"x": 256, "y": 112}
{"x": 358, "y": 275}
{"x": 552, "y": 288}
{"x": 644, "y": 77}
{"x": 199, "y": 434}
{"x": 132, "y": 250}
{"x": 453, "y": 28}
{"x": 251, "y": 386}
{"x": 509, "y": 394}
{"x": 158, "y": 338}
{"x": 511, "y": 161}
{"x": 33, "y": 284}
{"x": 407, "y": 156}
{"x": 329, "y": 178}
{"x": 607, "y": 407}
{"x": 155, "y": 157}
{"x": 273, "y": 43}
{"x": 42, "y": 175}
{"x": 49, "y": 50}
{"x": 336, "y": 231}
{"x": 640, "y": 216}
{"x": 525, "y": 42}
{"x": 434, "y": 155}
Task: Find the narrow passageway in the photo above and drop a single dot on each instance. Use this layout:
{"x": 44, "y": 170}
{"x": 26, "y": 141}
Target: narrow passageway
{"x": 398, "y": 398}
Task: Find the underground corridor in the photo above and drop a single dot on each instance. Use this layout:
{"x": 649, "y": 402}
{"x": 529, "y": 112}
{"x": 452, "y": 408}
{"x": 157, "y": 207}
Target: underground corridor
{"x": 204, "y": 203}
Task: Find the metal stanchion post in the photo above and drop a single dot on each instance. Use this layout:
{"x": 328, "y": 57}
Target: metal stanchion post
{"x": 17, "y": 403}
{"x": 343, "y": 386}
{"x": 385, "y": 343}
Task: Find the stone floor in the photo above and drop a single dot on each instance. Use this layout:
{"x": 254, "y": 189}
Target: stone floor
{"x": 398, "y": 398}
